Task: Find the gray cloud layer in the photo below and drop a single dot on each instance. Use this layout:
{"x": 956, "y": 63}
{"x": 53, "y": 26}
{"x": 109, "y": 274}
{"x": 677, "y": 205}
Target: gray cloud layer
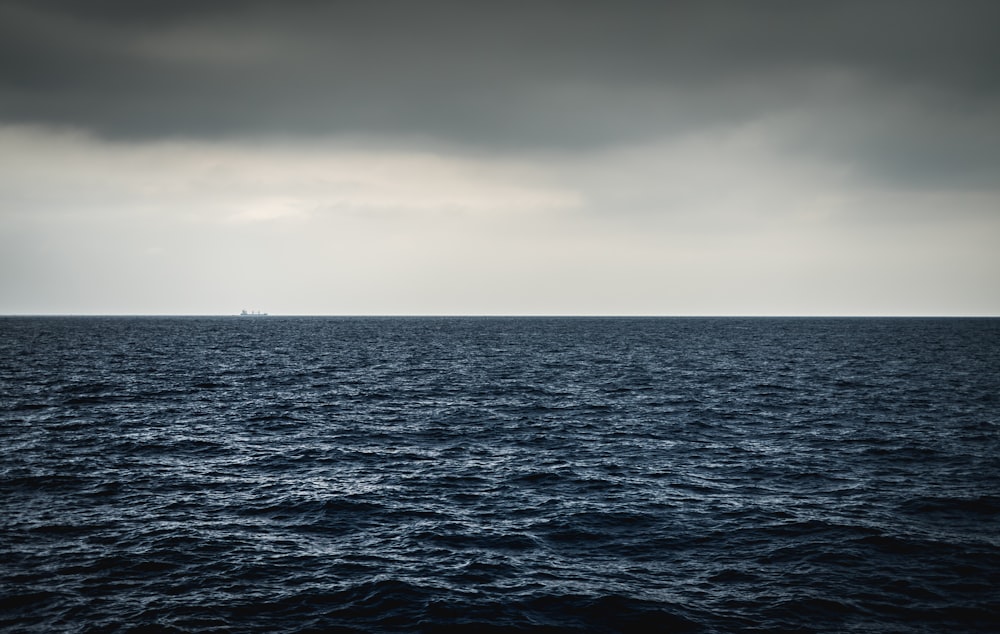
{"x": 909, "y": 89}
{"x": 537, "y": 156}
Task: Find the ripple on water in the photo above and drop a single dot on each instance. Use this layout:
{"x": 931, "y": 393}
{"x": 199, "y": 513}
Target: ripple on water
{"x": 559, "y": 475}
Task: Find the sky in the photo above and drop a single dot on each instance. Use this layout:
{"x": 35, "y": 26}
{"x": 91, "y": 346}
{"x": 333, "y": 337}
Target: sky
{"x": 543, "y": 157}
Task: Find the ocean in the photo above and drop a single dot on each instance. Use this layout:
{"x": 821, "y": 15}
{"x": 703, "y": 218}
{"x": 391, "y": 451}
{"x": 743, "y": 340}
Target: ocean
{"x": 307, "y": 474}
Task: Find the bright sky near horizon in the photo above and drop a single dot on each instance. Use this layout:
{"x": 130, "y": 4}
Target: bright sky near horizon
{"x": 545, "y": 157}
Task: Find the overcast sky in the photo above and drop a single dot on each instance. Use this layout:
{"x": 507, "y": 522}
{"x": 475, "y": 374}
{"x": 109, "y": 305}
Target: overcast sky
{"x": 535, "y": 157}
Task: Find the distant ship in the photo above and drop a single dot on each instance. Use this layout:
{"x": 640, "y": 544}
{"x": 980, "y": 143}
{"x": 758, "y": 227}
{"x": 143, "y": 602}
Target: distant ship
{"x": 252, "y": 313}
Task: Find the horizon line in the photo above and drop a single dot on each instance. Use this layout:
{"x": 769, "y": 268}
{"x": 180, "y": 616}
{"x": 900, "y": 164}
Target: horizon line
{"x": 530, "y": 315}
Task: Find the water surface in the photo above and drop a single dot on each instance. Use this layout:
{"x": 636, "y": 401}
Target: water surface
{"x": 536, "y": 474}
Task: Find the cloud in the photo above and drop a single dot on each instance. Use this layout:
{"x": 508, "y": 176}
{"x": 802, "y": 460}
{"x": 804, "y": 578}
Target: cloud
{"x": 74, "y": 172}
{"x": 521, "y": 76}
{"x": 717, "y": 222}
{"x": 480, "y": 157}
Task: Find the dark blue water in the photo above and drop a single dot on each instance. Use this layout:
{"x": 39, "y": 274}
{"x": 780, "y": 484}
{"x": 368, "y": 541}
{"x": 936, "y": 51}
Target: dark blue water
{"x": 555, "y": 475}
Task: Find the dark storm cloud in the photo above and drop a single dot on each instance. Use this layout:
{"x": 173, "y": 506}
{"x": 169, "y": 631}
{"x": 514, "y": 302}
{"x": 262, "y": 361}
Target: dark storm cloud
{"x": 563, "y": 75}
